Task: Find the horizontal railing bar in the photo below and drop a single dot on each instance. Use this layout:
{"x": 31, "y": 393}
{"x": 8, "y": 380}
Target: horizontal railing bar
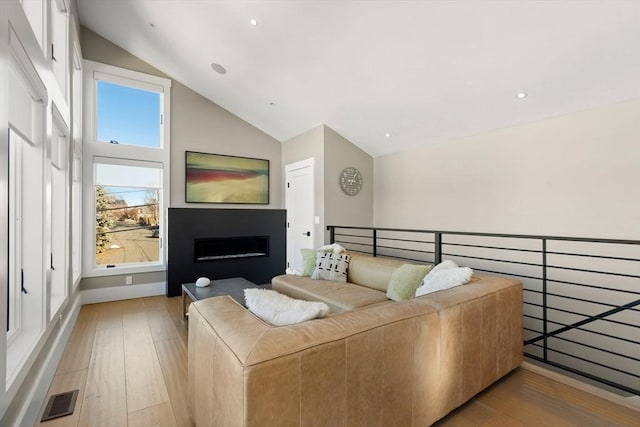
{"x": 492, "y": 247}
{"x": 588, "y": 315}
{"x": 493, "y": 259}
{"x": 405, "y": 259}
{"x": 533, "y": 303}
{"x": 596, "y": 317}
{"x": 593, "y": 286}
{"x": 506, "y": 274}
{"x": 582, "y": 270}
{"x": 359, "y": 252}
{"x": 403, "y": 249}
{"x": 404, "y": 240}
{"x": 532, "y": 290}
{"x": 589, "y": 320}
{"x": 585, "y": 374}
{"x": 602, "y": 334}
{"x": 592, "y": 362}
{"x": 354, "y": 235}
{"x": 582, "y": 300}
{"x": 597, "y": 348}
{"x": 540, "y": 265}
{"x": 594, "y": 256}
{"x": 514, "y": 236}
{"x": 355, "y": 243}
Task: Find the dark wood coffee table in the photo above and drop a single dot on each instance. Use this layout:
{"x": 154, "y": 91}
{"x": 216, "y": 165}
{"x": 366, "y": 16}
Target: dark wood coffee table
{"x": 233, "y": 287}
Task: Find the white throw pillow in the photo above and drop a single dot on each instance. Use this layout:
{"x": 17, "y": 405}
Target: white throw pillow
{"x": 334, "y": 247}
{"x": 447, "y": 264}
{"x": 279, "y": 310}
{"x": 444, "y": 278}
{"x": 331, "y": 266}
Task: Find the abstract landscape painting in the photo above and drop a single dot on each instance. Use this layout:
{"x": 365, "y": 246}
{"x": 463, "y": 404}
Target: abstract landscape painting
{"x": 216, "y": 178}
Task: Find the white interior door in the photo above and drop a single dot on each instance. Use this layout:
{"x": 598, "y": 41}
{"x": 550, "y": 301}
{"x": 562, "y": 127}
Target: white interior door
{"x": 300, "y": 198}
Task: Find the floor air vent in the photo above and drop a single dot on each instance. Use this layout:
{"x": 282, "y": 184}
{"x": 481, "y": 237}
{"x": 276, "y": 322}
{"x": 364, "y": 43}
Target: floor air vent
{"x": 60, "y": 405}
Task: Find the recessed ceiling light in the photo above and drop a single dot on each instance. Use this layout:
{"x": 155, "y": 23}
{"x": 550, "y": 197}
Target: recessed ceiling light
{"x": 218, "y": 68}
{"x": 387, "y": 134}
{"x": 521, "y": 95}
{"x": 253, "y": 22}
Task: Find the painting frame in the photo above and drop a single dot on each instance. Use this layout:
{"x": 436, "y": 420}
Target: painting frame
{"x": 226, "y": 179}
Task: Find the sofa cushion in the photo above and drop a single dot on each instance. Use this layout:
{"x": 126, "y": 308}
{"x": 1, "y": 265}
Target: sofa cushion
{"x": 372, "y": 272}
{"x": 331, "y": 266}
{"x": 405, "y": 280}
{"x": 338, "y": 296}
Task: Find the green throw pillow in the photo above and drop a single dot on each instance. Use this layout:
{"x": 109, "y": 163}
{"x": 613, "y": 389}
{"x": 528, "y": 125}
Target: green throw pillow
{"x": 405, "y": 280}
{"x": 308, "y": 261}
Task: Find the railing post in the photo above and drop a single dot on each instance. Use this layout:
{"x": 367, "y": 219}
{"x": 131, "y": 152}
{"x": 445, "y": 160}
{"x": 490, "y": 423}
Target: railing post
{"x": 438, "y": 248}
{"x": 332, "y": 234}
{"x": 375, "y": 242}
{"x": 544, "y": 298}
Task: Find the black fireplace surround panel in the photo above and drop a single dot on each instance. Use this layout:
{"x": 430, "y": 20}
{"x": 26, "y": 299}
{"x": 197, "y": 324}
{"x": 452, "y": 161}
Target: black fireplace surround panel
{"x": 224, "y": 243}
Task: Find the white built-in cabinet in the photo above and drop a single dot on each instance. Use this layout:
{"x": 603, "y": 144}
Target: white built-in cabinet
{"x": 40, "y": 178}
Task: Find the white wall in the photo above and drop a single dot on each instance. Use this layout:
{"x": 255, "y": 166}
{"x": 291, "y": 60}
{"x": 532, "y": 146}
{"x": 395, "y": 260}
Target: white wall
{"x": 341, "y": 209}
{"x": 574, "y": 175}
{"x": 332, "y": 154}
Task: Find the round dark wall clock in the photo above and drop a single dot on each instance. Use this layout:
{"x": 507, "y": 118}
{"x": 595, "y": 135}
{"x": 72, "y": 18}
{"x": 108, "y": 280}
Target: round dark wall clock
{"x": 351, "y": 181}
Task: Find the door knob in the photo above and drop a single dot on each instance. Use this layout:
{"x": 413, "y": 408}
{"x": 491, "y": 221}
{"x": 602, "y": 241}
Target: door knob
{"x": 308, "y": 233}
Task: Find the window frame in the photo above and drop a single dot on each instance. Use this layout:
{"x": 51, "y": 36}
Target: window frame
{"x": 32, "y": 311}
{"x": 94, "y": 150}
{"x": 76, "y": 99}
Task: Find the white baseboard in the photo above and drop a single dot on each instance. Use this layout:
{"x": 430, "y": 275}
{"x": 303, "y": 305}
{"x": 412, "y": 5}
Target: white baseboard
{"x": 116, "y": 293}
{"x": 30, "y": 412}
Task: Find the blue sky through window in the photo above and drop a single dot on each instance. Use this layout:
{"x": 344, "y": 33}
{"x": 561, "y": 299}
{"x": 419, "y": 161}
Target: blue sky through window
{"x": 128, "y": 115}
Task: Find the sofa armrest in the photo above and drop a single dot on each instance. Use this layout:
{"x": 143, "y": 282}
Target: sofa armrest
{"x": 481, "y": 334}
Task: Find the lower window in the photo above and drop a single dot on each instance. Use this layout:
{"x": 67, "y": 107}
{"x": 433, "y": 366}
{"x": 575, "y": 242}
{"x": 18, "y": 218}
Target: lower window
{"x": 128, "y": 212}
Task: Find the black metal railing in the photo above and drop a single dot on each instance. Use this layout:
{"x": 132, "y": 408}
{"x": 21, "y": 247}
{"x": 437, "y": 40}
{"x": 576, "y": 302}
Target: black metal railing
{"x": 581, "y": 295}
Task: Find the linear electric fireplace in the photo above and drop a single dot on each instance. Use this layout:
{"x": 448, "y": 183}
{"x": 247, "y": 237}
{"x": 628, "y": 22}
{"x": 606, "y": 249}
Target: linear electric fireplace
{"x": 230, "y": 247}
{"x": 224, "y": 243}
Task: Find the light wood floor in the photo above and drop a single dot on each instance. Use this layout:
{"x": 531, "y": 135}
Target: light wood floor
{"x": 129, "y": 361}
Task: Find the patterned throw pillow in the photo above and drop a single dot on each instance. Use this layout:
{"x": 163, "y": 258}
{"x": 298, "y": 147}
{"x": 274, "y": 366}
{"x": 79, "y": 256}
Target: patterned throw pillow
{"x": 330, "y": 266}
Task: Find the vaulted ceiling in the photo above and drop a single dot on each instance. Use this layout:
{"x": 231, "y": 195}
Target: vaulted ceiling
{"x": 387, "y": 75}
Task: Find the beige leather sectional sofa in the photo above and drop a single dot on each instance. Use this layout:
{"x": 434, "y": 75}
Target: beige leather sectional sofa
{"x": 371, "y": 362}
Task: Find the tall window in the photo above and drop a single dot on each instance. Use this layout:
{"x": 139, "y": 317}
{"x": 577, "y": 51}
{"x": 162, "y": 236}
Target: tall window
{"x": 35, "y": 12}
{"x": 59, "y": 44}
{"x": 128, "y": 152}
{"x": 58, "y": 257}
{"x": 26, "y": 270}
